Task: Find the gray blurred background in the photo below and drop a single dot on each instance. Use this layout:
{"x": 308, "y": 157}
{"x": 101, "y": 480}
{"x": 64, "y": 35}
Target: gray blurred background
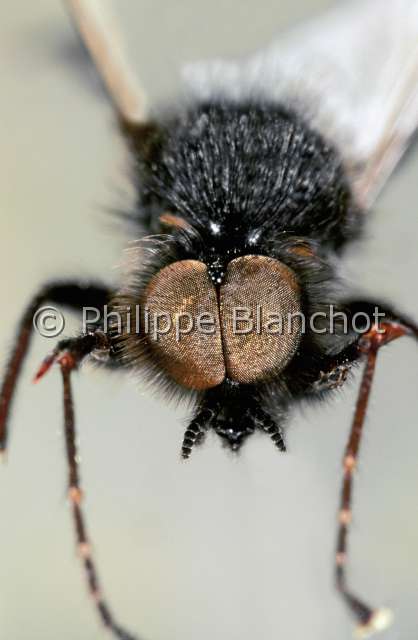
{"x": 223, "y": 547}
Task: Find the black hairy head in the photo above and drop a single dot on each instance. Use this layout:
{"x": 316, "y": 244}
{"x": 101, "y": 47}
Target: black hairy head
{"x": 231, "y": 187}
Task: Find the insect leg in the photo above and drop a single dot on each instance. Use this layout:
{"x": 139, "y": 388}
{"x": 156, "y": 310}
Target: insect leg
{"x": 369, "y": 619}
{"x": 69, "y": 354}
{"x": 330, "y": 372}
{"x": 70, "y": 294}
{"x": 333, "y": 378}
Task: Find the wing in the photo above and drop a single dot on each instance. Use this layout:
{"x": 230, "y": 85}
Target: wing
{"x": 98, "y": 34}
{"x": 352, "y": 72}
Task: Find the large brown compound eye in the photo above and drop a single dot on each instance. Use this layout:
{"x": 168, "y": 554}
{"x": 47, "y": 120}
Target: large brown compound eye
{"x": 249, "y": 335}
{"x": 260, "y": 317}
{"x": 184, "y": 329}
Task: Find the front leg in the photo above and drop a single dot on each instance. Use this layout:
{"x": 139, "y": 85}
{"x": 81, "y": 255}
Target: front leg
{"x": 332, "y": 378}
{"x": 69, "y": 354}
{"x": 331, "y": 372}
{"x": 74, "y": 295}
{"x": 390, "y": 326}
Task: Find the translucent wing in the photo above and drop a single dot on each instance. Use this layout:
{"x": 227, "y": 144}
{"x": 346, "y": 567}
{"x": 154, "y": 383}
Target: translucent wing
{"x": 99, "y": 36}
{"x": 352, "y": 72}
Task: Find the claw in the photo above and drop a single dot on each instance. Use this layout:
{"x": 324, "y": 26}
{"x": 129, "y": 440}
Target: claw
{"x": 45, "y": 366}
{"x": 64, "y": 358}
{"x": 379, "y": 621}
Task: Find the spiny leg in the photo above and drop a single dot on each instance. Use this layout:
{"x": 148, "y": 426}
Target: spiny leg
{"x": 71, "y": 294}
{"x": 332, "y": 378}
{"x": 363, "y": 613}
{"x": 369, "y": 619}
{"x": 69, "y": 354}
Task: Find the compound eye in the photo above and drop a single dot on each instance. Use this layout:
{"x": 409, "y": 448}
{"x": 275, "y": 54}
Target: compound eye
{"x": 260, "y": 317}
{"x": 184, "y": 329}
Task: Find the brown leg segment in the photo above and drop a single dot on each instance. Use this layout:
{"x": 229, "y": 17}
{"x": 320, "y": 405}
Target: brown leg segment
{"x": 13, "y": 368}
{"x": 70, "y": 294}
{"x": 68, "y": 361}
{"x": 370, "y": 620}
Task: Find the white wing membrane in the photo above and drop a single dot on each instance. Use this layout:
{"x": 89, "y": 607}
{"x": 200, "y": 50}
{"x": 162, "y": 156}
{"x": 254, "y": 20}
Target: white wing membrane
{"x": 97, "y": 31}
{"x": 352, "y": 72}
